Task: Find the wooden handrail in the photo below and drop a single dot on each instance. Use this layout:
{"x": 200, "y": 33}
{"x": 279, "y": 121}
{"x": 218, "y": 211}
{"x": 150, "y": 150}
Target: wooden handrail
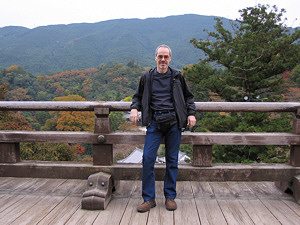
{"x": 197, "y": 138}
{"x": 125, "y": 106}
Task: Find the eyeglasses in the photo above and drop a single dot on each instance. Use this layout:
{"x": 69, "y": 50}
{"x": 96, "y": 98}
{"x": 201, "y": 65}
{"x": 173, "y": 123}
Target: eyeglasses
{"x": 163, "y": 56}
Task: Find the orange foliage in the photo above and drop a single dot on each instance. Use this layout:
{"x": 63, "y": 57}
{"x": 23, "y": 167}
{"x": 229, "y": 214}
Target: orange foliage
{"x": 56, "y": 84}
{"x": 72, "y": 74}
{"x": 15, "y": 68}
{"x": 128, "y": 127}
{"x": 19, "y": 94}
{"x": 59, "y": 91}
{"x": 74, "y": 121}
{"x": 86, "y": 89}
{"x": 118, "y": 79}
{"x": 215, "y": 97}
{"x": 13, "y": 121}
{"x": 82, "y": 76}
{"x": 87, "y": 81}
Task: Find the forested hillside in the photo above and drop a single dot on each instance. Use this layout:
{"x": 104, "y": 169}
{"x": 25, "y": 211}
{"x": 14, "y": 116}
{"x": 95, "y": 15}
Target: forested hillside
{"x": 52, "y": 49}
{"x": 100, "y": 83}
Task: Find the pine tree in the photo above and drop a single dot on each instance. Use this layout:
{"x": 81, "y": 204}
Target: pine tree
{"x": 252, "y": 58}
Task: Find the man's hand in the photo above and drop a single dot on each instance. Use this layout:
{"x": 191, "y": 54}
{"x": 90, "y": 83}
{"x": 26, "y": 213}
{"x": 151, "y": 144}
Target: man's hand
{"x": 191, "y": 121}
{"x": 134, "y": 116}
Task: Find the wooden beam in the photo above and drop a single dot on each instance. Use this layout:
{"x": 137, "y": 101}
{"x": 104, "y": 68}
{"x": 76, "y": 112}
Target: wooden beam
{"x": 102, "y": 122}
{"x": 218, "y": 172}
{"x": 296, "y": 126}
{"x": 295, "y": 155}
{"x": 125, "y": 106}
{"x": 206, "y": 138}
{"x": 48, "y": 136}
{"x": 202, "y": 155}
{"x": 9, "y": 152}
{"x": 201, "y": 138}
{"x": 103, "y": 155}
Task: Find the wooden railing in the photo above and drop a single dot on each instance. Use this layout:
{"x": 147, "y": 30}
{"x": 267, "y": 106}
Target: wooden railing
{"x": 103, "y": 140}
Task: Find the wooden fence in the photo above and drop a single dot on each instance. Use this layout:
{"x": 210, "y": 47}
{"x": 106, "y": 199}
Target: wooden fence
{"x": 202, "y": 168}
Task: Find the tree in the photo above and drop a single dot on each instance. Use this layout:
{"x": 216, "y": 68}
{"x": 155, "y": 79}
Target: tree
{"x": 4, "y": 87}
{"x": 19, "y": 94}
{"x": 23, "y": 85}
{"x": 252, "y": 58}
{"x": 10, "y": 120}
{"x": 16, "y": 69}
{"x": 74, "y": 121}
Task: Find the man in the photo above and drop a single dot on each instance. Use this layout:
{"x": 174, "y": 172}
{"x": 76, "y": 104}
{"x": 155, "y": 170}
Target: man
{"x": 167, "y": 106}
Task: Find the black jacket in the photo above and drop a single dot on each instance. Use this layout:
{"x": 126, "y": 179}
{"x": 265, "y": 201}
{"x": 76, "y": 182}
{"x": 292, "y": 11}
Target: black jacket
{"x": 183, "y": 98}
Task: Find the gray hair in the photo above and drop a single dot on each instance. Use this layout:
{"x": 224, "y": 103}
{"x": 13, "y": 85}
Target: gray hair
{"x": 163, "y": 46}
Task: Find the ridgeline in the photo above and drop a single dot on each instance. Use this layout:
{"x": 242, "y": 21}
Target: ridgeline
{"x": 56, "y": 48}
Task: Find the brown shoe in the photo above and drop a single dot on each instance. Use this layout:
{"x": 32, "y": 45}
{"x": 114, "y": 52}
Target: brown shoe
{"x": 171, "y": 204}
{"x": 146, "y": 206}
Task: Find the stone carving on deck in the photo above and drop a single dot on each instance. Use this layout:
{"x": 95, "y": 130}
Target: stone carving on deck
{"x": 98, "y": 192}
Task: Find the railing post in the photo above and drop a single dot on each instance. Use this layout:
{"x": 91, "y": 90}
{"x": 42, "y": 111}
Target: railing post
{"x": 202, "y": 155}
{"x": 295, "y": 149}
{"x": 9, "y": 152}
{"x": 295, "y": 158}
{"x": 102, "y": 153}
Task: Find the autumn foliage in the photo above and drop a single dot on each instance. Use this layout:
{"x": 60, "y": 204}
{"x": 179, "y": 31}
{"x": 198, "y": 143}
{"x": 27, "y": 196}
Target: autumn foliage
{"x": 13, "y": 121}
{"x": 10, "y": 120}
{"x": 51, "y": 152}
{"x": 71, "y": 121}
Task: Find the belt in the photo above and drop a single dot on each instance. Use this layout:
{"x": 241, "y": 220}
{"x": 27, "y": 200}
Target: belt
{"x": 164, "y": 111}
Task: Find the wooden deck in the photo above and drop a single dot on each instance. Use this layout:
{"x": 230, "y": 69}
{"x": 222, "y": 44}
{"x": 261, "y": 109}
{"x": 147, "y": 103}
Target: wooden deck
{"x": 58, "y": 201}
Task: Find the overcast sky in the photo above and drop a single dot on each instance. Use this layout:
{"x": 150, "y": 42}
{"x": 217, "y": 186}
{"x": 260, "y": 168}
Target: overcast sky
{"x": 34, "y": 13}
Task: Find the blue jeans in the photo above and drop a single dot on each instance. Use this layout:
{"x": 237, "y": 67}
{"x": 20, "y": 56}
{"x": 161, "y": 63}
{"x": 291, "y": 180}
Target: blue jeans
{"x": 172, "y": 143}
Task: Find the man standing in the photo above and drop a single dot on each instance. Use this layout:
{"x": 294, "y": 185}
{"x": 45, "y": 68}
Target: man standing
{"x": 167, "y": 106}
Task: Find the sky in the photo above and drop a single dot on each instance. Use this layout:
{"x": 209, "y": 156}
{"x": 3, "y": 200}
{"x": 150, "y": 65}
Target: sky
{"x": 34, "y": 13}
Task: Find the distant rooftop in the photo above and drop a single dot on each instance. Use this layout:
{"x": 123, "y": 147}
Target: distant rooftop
{"x": 137, "y": 155}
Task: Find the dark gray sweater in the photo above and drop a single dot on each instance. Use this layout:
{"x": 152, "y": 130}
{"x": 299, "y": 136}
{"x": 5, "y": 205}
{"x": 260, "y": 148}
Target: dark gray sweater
{"x": 161, "y": 98}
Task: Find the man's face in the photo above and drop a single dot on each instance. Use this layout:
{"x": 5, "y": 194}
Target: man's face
{"x": 163, "y": 59}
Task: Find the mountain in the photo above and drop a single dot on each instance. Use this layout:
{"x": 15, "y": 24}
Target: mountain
{"x": 55, "y": 48}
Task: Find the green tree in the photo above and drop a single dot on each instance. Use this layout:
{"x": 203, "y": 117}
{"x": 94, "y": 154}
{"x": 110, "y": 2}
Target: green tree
{"x": 117, "y": 119}
{"x": 252, "y": 59}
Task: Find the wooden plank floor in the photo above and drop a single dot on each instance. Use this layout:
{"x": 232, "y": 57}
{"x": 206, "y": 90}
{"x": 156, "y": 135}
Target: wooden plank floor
{"x": 58, "y": 201}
